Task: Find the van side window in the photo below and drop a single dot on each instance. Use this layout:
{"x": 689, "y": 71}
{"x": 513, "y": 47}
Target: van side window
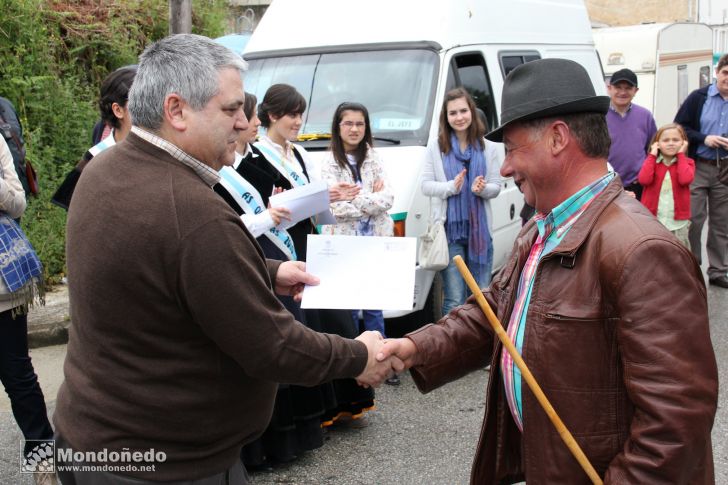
{"x": 511, "y": 60}
{"x": 704, "y": 76}
{"x": 469, "y": 71}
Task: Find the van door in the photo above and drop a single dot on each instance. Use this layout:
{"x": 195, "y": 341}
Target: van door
{"x": 469, "y": 71}
{"x": 512, "y": 196}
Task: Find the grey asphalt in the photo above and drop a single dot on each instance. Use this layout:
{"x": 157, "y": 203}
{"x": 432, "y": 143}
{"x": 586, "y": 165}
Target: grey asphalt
{"x": 412, "y": 439}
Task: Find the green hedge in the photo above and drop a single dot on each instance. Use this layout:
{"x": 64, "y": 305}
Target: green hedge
{"x": 53, "y": 57}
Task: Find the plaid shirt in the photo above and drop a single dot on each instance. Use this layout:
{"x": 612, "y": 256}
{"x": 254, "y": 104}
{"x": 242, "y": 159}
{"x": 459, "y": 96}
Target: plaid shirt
{"x": 206, "y": 173}
{"x": 552, "y": 228}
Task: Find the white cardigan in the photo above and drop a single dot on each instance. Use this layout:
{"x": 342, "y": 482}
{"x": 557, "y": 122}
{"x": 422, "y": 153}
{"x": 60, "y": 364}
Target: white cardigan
{"x": 12, "y": 200}
{"x": 12, "y": 196}
{"x": 436, "y": 185}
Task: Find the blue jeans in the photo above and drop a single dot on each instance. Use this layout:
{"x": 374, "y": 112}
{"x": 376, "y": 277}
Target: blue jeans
{"x": 20, "y": 381}
{"x": 373, "y": 320}
{"x": 455, "y": 291}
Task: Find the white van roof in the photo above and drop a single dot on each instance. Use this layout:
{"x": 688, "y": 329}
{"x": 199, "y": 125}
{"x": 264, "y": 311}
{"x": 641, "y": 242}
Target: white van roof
{"x": 298, "y": 24}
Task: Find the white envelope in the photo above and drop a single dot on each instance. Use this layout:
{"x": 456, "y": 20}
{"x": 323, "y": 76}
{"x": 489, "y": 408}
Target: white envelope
{"x": 361, "y": 273}
{"x": 304, "y": 202}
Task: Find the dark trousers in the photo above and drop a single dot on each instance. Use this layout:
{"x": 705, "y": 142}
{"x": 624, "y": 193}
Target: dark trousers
{"x": 20, "y": 381}
{"x": 709, "y": 200}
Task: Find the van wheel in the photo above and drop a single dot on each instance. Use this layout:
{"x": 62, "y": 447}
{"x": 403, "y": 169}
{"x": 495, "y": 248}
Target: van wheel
{"x": 431, "y": 312}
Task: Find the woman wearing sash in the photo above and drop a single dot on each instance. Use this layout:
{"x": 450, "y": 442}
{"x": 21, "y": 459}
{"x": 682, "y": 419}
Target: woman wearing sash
{"x": 295, "y": 425}
{"x": 280, "y": 113}
{"x": 115, "y": 115}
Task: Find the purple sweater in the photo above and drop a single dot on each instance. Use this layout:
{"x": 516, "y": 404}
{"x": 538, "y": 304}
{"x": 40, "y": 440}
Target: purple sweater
{"x": 630, "y": 136}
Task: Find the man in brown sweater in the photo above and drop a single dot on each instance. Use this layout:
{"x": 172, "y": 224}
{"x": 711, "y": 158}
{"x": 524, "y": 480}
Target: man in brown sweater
{"x": 178, "y": 340}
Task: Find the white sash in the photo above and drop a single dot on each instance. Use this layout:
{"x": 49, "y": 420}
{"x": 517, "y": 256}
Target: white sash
{"x": 107, "y": 142}
{"x": 294, "y": 177}
{"x": 248, "y": 198}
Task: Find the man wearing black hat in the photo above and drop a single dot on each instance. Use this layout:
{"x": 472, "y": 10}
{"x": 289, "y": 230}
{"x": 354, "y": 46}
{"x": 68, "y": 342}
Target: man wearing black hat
{"x": 631, "y": 128}
{"x": 623, "y": 354}
{"x": 704, "y": 116}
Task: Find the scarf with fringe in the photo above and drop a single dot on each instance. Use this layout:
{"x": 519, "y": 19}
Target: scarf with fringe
{"x": 20, "y": 269}
{"x": 466, "y": 217}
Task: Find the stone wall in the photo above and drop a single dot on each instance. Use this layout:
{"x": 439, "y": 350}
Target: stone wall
{"x": 630, "y": 12}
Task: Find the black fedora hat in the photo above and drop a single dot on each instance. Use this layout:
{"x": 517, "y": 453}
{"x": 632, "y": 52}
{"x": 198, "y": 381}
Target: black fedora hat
{"x": 547, "y": 87}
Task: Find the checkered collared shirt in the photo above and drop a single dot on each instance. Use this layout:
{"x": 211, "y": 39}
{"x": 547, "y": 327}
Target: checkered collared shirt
{"x": 552, "y": 228}
{"x": 206, "y": 173}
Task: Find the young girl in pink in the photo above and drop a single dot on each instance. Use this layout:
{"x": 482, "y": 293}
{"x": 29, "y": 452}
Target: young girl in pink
{"x": 666, "y": 176}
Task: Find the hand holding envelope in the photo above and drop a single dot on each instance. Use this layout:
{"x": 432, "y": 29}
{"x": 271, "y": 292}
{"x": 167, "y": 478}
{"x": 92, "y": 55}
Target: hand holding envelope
{"x": 290, "y": 280}
{"x": 361, "y": 272}
{"x": 304, "y": 202}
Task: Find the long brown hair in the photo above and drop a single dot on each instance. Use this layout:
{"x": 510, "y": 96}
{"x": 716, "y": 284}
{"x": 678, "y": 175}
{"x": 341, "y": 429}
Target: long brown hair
{"x": 476, "y": 130}
{"x": 337, "y": 144}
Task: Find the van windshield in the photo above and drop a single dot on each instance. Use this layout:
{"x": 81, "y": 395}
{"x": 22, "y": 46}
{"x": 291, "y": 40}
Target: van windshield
{"x": 396, "y": 86}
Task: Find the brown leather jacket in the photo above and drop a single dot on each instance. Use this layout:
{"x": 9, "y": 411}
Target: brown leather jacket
{"x": 617, "y": 337}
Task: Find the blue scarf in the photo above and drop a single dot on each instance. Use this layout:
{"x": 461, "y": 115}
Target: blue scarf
{"x": 20, "y": 268}
{"x": 466, "y": 218}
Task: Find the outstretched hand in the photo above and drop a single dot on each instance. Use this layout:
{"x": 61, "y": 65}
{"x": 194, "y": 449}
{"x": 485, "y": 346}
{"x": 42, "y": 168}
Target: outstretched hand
{"x": 292, "y": 277}
{"x": 377, "y": 370}
{"x": 402, "y": 348}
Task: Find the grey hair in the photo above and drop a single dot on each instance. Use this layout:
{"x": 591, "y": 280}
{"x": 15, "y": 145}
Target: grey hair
{"x": 588, "y": 129}
{"x": 185, "y": 64}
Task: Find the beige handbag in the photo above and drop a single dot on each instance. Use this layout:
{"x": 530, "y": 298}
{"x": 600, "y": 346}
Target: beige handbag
{"x": 434, "y": 254}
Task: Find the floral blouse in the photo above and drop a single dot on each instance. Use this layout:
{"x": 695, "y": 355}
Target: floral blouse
{"x": 366, "y": 214}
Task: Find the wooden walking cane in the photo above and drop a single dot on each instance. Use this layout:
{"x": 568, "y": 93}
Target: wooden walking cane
{"x": 530, "y": 380}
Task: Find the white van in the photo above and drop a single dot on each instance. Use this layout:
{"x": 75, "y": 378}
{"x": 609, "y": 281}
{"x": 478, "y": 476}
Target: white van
{"x": 670, "y": 60}
{"x": 398, "y": 58}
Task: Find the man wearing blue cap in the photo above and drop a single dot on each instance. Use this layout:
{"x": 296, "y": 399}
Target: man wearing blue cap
{"x": 623, "y": 354}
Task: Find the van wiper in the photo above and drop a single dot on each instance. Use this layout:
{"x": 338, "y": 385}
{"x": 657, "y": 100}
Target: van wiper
{"x": 313, "y": 136}
{"x": 327, "y": 136}
{"x": 393, "y": 141}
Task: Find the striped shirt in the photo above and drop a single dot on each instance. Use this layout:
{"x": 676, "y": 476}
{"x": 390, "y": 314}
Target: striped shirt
{"x": 552, "y": 228}
{"x": 206, "y": 173}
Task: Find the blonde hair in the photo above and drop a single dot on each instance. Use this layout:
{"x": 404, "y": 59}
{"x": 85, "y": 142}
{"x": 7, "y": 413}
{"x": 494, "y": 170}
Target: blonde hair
{"x": 669, "y": 126}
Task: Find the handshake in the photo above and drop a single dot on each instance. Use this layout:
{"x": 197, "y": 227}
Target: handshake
{"x": 386, "y": 358}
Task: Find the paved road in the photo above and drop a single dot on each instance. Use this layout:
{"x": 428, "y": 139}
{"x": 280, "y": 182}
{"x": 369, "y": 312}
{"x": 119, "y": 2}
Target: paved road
{"x": 413, "y": 439}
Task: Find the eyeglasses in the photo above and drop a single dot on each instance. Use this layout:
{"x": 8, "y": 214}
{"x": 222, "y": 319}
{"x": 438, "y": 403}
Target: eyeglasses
{"x": 351, "y": 124}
